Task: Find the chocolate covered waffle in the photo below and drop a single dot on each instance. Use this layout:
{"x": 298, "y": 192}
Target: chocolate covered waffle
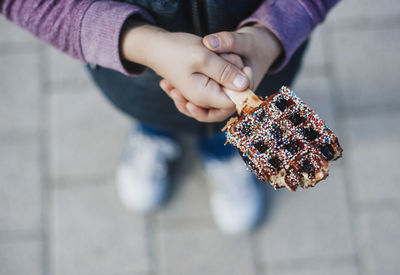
{"x": 281, "y": 139}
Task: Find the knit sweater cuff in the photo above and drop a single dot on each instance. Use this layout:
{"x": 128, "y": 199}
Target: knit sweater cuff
{"x": 100, "y": 34}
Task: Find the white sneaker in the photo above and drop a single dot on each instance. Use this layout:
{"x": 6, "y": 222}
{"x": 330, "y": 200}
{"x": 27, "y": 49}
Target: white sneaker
{"x": 142, "y": 176}
{"x": 236, "y": 198}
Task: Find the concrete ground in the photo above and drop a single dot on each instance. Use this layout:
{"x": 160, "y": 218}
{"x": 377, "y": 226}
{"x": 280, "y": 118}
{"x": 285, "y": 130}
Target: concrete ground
{"x": 60, "y": 143}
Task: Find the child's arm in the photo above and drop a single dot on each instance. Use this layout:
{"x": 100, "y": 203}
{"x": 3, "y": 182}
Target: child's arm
{"x": 275, "y": 27}
{"x": 87, "y": 30}
{"x": 192, "y": 110}
{"x": 268, "y": 38}
{"x": 257, "y": 47}
{"x": 99, "y": 32}
{"x": 291, "y": 22}
{"x": 185, "y": 63}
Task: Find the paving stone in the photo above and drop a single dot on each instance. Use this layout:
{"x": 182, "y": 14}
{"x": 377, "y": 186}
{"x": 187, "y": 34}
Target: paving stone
{"x": 21, "y": 258}
{"x": 86, "y": 135}
{"x": 314, "y": 58}
{"x": 201, "y": 249}
{"x": 379, "y": 241}
{"x": 375, "y": 173}
{"x": 20, "y": 188}
{"x": 13, "y": 35}
{"x": 373, "y": 153}
{"x": 366, "y": 69}
{"x": 92, "y": 233}
{"x": 310, "y": 269}
{"x": 20, "y": 92}
{"x": 191, "y": 200}
{"x": 374, "y": 127}
{"x": 356, "y": 10}
{"x": 309, "y": 224}
{"x": 65, "y": 72}
{"x": 314, "y": 90}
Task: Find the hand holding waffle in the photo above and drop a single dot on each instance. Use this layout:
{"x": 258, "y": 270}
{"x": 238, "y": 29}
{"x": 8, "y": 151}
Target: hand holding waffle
{"x": 253, "y": 49}
{"x": 181, "y": 59}
{"x": 191, "y": 109}
{"x": 256, "y": 45}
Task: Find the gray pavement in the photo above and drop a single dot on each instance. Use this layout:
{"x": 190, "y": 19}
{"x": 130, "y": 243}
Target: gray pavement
{"x": 60, "y": 142}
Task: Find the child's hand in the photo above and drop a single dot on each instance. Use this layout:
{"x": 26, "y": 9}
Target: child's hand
{"x": 192, "y": 110}
{"x": 255, "y": 44}
{"x": 258, "y": 48}
{"x": 187, "y": 65}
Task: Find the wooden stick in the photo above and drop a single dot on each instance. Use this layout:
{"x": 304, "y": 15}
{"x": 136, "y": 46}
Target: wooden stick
{"x": 245, "y": 101}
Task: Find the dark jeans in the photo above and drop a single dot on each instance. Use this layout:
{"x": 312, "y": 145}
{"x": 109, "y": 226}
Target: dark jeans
{"x": 209, "y": 146}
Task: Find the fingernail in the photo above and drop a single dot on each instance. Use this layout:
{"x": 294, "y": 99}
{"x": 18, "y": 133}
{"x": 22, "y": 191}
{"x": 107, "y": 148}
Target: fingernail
{"x": 240, "y": 81}
{"x": 213, "y": 41}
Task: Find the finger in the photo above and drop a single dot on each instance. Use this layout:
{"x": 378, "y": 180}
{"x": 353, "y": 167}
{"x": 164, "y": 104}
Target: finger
{"x": 207, "y": 90}
{"x": 199, "y": 113}
{"x": 249, "y": 72}
{"x": 209, "y": 94}
{"x": 166, "y": 86}
{"x": 224, "y": 72}
{"x": 235, "y": 42}
{"x": 234, "y": 59}
{"x": 180, "y": 102}
{"x": 208, "y": 115}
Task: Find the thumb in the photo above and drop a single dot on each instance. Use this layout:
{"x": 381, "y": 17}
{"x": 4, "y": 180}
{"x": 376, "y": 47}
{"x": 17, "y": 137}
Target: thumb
{"x": 225, "y": 42}
{"x": 225, "y": 73}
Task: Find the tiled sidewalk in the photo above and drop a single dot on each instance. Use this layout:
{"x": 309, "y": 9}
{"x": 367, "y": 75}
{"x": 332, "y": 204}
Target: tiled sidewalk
{"x": 60, "y": 142}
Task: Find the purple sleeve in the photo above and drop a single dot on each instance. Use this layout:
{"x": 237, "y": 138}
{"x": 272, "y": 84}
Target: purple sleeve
{"x": 291, "y": 21}
{"x": 88, "y": 30}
